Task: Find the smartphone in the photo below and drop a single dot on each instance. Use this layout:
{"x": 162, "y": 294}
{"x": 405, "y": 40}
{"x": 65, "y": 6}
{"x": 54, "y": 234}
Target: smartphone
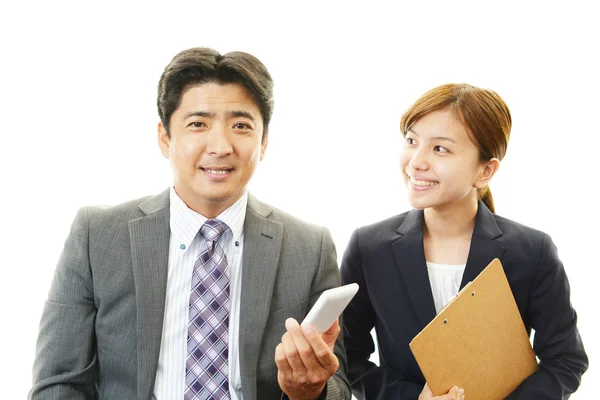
{"x": 329, "y": 306}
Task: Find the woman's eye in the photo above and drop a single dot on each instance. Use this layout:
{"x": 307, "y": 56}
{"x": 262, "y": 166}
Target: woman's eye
{"x": 410, "y": 141}
{"x": 440, "y": 149}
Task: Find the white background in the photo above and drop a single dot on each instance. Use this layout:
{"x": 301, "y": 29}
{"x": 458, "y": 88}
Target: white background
{"x": 78, "y": 119}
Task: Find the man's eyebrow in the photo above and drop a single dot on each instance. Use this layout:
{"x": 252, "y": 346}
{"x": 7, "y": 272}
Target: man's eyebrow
{"x": 229, "y": 114}
{"x": 240, "y": 113}
{"x": 445, "y": 138}
{"x": 199, "y": 114}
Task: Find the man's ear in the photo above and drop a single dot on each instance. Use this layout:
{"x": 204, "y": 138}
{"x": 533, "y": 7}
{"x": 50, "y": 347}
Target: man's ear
{"x": 486, "y": 173}
{"x": 263, "y": 146}
{"x": 163, "y": 140}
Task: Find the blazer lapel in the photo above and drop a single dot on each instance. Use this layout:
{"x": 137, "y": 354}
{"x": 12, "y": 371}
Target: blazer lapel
{"x": 483, "y": 246}
{"x": 262, "y": 245}
{"x": 149, "y": 238}
{"x": 410, "y": 257}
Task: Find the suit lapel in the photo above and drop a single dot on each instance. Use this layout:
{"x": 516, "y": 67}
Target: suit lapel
{"x": 149, "y": 238}
{"x": 262, "y": 246}
{"x": 483, "y": 246}
{"x": 410, "y": 258}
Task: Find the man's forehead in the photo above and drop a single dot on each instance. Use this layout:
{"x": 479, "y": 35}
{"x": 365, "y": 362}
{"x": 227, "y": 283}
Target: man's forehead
{"x": 226, "y": 97}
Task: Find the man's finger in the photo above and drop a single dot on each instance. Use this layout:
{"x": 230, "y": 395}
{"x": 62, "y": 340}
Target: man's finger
{"x": 321, "y": 350}
{"x": 331, "y": 335}
{"x": 281, "y": 361}
{"x": 291, "y": 350}
{"x": 304, "y": 348}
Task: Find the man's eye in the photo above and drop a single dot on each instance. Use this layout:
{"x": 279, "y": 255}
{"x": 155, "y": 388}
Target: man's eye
{"x": 197, "y": 124}
{"x": 241, "y": 125}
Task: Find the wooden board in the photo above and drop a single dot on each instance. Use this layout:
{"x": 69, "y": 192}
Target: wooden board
{"x": 477, "y": 342}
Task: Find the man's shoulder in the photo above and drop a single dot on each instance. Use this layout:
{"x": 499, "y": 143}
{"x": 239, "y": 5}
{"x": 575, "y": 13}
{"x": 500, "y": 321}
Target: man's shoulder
{"x": 127, "y": 210}
{"x": 289, "y": 221}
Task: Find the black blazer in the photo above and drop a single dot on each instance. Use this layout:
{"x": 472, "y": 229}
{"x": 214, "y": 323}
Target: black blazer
{"x": 387, "y": 260}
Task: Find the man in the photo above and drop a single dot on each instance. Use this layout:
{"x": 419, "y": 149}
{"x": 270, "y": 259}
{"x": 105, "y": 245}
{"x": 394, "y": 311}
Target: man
{"x": 186, "y": 295}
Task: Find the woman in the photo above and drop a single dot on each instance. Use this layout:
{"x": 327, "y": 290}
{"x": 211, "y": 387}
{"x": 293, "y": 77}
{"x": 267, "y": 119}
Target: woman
{"x": 409, "y": 266}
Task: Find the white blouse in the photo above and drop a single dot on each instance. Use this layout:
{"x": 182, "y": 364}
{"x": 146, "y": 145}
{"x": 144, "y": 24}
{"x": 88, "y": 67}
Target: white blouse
{"x": 445, "y": 282}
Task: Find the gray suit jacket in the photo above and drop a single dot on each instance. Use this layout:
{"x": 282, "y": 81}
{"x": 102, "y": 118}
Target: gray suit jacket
{"x": 101, "y": 327}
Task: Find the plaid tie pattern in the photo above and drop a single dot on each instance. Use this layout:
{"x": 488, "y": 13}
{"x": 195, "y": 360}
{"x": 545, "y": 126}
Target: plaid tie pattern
{"x": 207, "y": 372}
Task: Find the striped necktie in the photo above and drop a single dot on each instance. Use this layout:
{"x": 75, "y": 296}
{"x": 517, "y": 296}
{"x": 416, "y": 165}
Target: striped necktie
{"x": 207, "y": 372}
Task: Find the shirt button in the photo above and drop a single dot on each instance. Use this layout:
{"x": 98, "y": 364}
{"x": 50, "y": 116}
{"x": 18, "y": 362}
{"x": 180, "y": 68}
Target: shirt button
{"x": 182, "y": 246}
{"x": 237, "y": 243}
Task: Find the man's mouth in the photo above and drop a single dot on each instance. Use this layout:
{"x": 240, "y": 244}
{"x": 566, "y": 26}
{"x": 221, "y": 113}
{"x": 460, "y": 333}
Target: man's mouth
{"x": 220, "y": 171}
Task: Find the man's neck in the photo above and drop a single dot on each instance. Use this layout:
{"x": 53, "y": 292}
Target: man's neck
{"x": 208, "y": 209}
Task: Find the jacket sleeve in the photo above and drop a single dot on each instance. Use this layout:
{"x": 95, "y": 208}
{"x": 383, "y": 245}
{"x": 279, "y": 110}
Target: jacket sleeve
{"x": 65, "y": 365}
{"x": 327, "y": 277}
{"x": 557, "y": 343}
{"x": 368, "y": 380}
{"x": 338, "y": 387}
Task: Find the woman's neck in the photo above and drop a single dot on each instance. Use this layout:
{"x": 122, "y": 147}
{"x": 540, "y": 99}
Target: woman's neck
{"x": 451, "y": 220}
{"x": 447, "y": 232}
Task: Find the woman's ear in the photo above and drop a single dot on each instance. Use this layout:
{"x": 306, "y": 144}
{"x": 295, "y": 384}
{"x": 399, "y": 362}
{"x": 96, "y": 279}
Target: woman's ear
{"x": 486, "y": 173}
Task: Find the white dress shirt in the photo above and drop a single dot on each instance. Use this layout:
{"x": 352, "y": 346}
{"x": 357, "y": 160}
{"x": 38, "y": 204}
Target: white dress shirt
{"x": 184, "y": 247}
{"x": 445, "y": 281}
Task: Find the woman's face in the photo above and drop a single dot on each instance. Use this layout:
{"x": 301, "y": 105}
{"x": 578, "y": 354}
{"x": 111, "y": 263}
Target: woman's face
{"x": 440, "y": 164}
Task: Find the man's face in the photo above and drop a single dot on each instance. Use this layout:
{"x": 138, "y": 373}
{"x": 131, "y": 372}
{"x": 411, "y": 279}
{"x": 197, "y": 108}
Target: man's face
{"x": 215, "y": 145}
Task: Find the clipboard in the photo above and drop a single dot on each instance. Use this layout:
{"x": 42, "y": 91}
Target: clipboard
{"x": 477, "y": 342}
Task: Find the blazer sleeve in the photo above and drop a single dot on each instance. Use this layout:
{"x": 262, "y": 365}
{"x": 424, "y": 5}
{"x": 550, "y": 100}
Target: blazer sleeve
{"x": 557, "y": 343}
{"x": 65, "y": 365}
{"x": 368, "y": 380}
{"x": 328, "y": 275}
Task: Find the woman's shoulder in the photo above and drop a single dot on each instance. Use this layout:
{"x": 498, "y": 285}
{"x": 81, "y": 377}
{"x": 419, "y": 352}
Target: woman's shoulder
{"x": 521, "y": 237}
{"x": 391, "y": 224}
{"x": 513, "y": 228}
{"x": 374, "y": 236}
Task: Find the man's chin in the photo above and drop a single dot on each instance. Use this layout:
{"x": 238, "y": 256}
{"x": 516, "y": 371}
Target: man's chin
{"x": 219, "y": 197}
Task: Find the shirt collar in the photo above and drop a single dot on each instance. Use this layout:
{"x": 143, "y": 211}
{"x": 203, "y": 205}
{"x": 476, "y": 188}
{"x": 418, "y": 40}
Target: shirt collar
{"x": 185, "y": 222}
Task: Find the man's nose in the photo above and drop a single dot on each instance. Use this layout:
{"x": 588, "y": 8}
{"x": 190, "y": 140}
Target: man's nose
{"x": 219, "y": 141}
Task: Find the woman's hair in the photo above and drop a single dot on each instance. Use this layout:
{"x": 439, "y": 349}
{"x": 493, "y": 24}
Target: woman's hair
{"x": 481, "y": 111}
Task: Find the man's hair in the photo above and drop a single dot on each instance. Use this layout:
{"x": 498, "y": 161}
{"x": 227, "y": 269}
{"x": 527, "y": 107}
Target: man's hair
{"x": 198, "y": 65}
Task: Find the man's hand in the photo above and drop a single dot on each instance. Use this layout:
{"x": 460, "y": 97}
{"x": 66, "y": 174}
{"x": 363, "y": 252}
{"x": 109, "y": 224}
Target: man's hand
{"x": 454, "y": 394}
{"x": 305, "y": 360}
